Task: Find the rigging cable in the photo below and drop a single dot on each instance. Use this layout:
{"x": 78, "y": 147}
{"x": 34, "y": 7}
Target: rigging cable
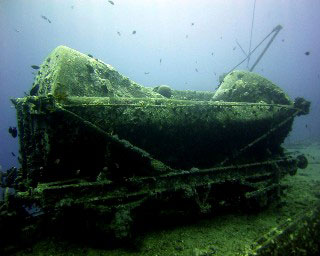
{"x": 249, "y": 52}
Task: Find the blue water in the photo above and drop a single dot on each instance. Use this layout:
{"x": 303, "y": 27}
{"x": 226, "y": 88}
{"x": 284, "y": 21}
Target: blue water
{"x": 164, "y": 30}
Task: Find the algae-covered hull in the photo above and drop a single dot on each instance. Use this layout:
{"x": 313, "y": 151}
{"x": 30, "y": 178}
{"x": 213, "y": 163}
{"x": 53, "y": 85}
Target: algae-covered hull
{"x": 181, "y": 134}
{"x": 100, "y": 149}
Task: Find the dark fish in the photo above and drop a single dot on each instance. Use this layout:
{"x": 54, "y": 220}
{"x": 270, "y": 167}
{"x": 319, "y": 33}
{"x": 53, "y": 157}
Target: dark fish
{"x": 146, "y": 73}
{"x": 45, "y": 18}
{"x": 111, "y": 2}
{"x": 119, "y": 34}
{"x": 220, "y": 37}
{"x": 212, "y": 53}
{"x": 90, "y": 55}
{"x": 13, "y": 154}
{"x": 160, "y": 61}
{"x": 192, "y": 23}
{"x": 234, "y": 48}
{"x": 307, "y": 53}
{"x": 13, "y": 131}
{"x": 17, "y": 30}
{"x": 134, "y": 32}
{"x": 72, "y": 6}
{"x": 306, "y": 126}
{"x": 187, "y": 36}
{"x": 215, "y": 73}
{"x": 35, "y": 66}
{"x": 196, "y": 70}
{"x": 282, "y": 40}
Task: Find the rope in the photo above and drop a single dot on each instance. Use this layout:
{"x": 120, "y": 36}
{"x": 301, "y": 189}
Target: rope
{"x": 249, "y": 52}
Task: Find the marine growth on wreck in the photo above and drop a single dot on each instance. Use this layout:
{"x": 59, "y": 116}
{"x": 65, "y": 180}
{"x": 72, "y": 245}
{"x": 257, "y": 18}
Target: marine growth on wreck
{"x": 99, "y": 152}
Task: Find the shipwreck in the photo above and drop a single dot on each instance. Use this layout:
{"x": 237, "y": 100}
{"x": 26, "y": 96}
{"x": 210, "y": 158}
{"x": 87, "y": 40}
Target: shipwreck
{"x": 99, "y": 152}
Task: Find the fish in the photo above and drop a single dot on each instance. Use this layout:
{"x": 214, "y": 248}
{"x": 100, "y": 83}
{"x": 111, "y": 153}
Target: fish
{"x": 306, "y": 126}
{"x": 196, "y": 70}
{"x": 307, "y": 53}
{"x": 72, "y": 6}
{"x": 282, "y": 40}
{"x": 212, "y": 53}
{"x": 192, "y": 23}
{"x": 160, "y": 61}
{"x": 146, "y": 73}
{"x": 134, "y": 32}
{"x": 234, "y": 48}
{"x": 17, "y": 30}
{"x": 13, "y": 154}
{"x": 45, "y": 18}
{"x": 13, "y": 131}
{"x": 35, "y": 66}
{"x": 111, "y": 2}
{"x": 119, "y": 34}
{"x": 187, "y": 36}
{"x": 90, "y": 55}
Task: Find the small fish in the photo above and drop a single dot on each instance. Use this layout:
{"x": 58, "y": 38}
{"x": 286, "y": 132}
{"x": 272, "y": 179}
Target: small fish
{"x": 196, "y": 70}
{"x": 90, "y": 55}
{"x": 212, "y": 53}
{"x": 160, "y": 61}
{"x": 45, "y": 18}
{"x": 192, "y": 23}
{"x": 13, "y": 154}
{"x": 220, "y": 37}
{"x": 307, "y": 53}
{"x": 35, "y": 66}
{"x": 306, "y": 126}
{"x": 17, "y": 30}
{"x": 72, "y": 6}
{"x": 234, "y": 48}
{"x": 111, "y": 2}
{"x": 282, "y": 40}
{"x": 187, "y": 36}
{"x": 119, "y": 34}
{"x": 215, "y": 73}
{"x": 146, "y": 73}
{"x": 134, "y": 32}
{"x": 13, "y": 131}
{"x": 57, "y": 161}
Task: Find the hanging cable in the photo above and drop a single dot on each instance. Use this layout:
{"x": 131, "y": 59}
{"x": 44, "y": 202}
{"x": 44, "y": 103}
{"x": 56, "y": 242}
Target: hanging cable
{"x": 249, "y": 52}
